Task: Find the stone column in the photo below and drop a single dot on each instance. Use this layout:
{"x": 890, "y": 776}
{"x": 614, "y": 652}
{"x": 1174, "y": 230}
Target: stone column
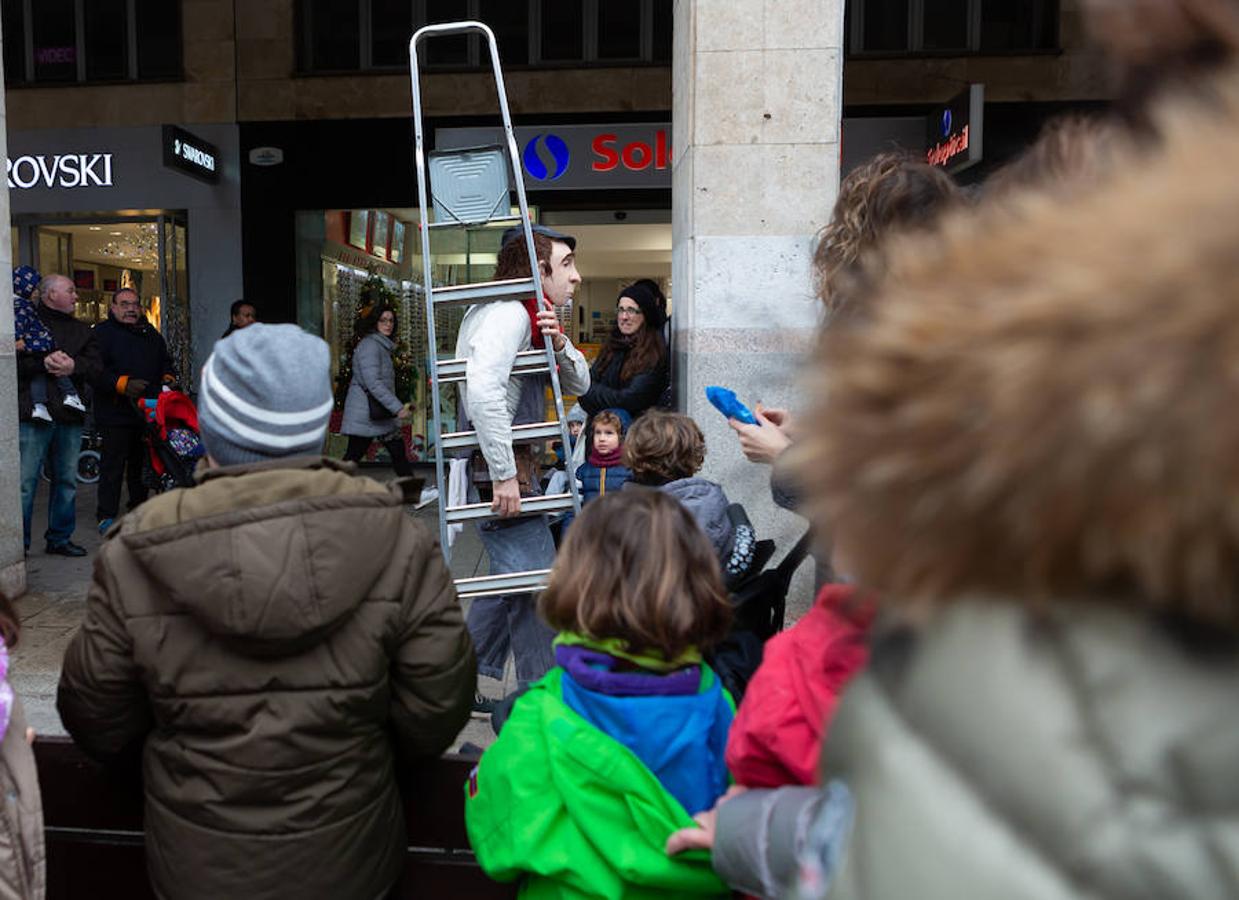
{"x": 12, "y": 559}
{"x": 756, "y": 108}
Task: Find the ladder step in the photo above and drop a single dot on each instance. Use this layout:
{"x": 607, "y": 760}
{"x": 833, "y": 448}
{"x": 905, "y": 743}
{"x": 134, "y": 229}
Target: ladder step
{"x": 529, "y": 506}
{"x": 483, "y": 291}
{"x": 528, "y": 362}
{"x": 491, "y": 221}
{"x": 492, "y": 585}
{"x": 460, "y": 440}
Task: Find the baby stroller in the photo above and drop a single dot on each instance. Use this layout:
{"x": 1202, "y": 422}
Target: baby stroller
{"x": 172, "y": 438}
{"x": 759, "y": 605}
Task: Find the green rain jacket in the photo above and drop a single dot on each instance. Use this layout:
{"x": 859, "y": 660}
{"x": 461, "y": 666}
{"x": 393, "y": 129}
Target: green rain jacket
{"x": 560, "y": 802}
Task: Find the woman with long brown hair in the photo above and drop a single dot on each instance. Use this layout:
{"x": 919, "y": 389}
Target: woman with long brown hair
{"x": 631, "y": 371}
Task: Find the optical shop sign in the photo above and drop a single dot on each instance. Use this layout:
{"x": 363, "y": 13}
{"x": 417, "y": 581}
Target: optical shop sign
{"x": 576, "y": 157}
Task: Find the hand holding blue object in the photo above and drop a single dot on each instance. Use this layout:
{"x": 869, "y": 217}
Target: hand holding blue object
{"x": 725, "y": 401}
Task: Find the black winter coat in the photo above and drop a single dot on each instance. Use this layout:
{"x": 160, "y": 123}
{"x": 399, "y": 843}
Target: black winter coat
{"x": 138, "y": 351}
{"x": 635, "y": 396}
{"x": 74, "y": 338}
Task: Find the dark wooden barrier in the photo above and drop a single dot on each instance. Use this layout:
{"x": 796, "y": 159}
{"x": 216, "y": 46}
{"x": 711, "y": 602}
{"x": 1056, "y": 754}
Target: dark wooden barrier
{"x": 93, "y": 822}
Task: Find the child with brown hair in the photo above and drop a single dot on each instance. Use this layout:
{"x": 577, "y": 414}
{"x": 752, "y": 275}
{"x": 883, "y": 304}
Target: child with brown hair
{"x": 666, "y": 450}
{"x": 604, "y": 470}
{"x": 619, "y": 744}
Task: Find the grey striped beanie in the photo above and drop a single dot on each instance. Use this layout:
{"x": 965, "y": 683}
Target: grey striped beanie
{"x": 265, "y": 394}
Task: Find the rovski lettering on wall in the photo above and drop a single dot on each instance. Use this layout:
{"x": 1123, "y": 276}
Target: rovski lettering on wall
{"x": 63, "y": 170}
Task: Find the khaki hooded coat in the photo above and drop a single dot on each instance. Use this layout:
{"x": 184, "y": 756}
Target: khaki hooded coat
{"x": 276, "y": 641}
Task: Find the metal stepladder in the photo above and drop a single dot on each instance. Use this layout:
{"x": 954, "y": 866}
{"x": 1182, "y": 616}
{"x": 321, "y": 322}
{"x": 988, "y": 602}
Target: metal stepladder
{"x": 458, "y": 170}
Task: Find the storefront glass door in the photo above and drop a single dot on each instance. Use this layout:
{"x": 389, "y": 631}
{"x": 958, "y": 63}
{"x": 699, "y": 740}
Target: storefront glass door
{"x": 174, "y": 292}
{"x": 104, "y": 252}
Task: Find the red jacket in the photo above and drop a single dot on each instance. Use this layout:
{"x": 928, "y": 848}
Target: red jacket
{"x": 777, "y": 735}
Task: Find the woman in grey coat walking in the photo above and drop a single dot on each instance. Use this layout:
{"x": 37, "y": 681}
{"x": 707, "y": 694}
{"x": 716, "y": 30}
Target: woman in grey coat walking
{"x": 374, "y": 377}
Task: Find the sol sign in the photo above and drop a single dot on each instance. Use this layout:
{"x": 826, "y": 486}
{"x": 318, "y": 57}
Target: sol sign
{"x": 575, "y": 157}
{"x": 64, "y": 170}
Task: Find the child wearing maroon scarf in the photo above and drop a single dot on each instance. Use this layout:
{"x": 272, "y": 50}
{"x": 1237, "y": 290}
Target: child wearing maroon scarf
{"x": 604, "y": 470}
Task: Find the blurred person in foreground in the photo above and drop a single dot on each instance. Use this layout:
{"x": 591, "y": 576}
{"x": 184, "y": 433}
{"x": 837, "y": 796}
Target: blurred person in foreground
{"x": 1028, "y": 451}
{"x": 274, "y": 642}
{"x": 23, "y": 868}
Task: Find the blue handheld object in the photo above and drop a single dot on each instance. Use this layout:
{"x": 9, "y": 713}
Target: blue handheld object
{"x": 724, "y": 400}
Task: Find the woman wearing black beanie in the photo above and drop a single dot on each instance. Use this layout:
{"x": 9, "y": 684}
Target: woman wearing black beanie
{"x": 632, "y": 370}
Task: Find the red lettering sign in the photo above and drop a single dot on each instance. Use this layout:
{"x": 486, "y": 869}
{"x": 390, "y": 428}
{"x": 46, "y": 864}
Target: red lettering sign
{"x": 952, "y": 147}
{"x": 609, "y": 159}
{"x": 636, "y": 156}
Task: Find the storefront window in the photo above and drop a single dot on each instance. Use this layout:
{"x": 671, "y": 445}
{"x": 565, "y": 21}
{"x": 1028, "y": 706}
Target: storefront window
{"x": 392, "y": 25}
{"x": 55, "y": 40}
{"x": 90, "y": 40}
{"x": 562, "y": 36}
{"x": 619, "y": 29}
{"x": 157, "y": 33}
{"x": 950, "y": 26}
{"x": 102, "y": 255}
{"x": 347, "y": 259}
{"x": 346, "y": 35}
{"x": 333, "y": 30}
{"x": 107, "y": 40}
{"x": 452, "y": 50}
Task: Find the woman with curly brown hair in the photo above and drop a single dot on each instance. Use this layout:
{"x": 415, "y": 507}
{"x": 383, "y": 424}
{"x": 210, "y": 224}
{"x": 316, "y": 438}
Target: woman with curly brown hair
{"x": 890, "y": 193}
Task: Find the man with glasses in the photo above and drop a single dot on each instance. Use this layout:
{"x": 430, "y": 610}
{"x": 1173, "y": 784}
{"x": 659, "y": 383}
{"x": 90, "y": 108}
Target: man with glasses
{"x": 136, "y": 364}
{"x": 55, "y": 443}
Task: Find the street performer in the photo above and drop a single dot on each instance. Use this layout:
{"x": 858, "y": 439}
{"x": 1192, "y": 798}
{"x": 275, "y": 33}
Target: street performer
{"x": 493, "y": 400}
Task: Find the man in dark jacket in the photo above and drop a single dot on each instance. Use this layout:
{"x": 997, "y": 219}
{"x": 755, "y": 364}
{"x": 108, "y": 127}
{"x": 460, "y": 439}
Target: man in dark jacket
{"x": 276, "y": 640}
{"x": 136, "y": 364}
{"x": 59, "y": 441}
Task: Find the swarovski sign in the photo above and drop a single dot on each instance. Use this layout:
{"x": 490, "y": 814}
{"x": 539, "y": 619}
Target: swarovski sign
{"x": 188, "y": 153}
{"x": 64, "y": 170}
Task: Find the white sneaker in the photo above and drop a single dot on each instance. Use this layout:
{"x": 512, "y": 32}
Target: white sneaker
{"x": 73, "y": 401}
{"x": 40, "y": 412}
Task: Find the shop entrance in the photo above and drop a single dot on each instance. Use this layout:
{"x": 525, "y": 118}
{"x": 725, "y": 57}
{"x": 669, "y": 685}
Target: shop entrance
{"x": 104, "y": 252}
{"x": 350, "y": 258}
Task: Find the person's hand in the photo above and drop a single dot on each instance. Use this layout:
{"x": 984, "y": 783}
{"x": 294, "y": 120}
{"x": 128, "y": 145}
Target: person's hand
{"x": 701, "y": 837}
{"x": 29, "y": 735}
{"x": 19, "y": 344}
{"x": 404, "y": 413}
{"x": 765, "y": 442}
{"x": 58, "y": 363}
{"x": 548, "y": 322}
{"x": 507, "y": 498}
{"x": 135, "y": 388}
{"x": 780, "y": 418}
